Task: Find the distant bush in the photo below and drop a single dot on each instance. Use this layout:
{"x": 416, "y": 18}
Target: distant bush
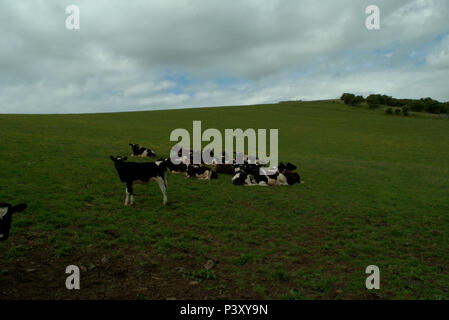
{"x": 405, "y": 111}
{"x": 397, "y": 111}
{"x": 389, "y": 111}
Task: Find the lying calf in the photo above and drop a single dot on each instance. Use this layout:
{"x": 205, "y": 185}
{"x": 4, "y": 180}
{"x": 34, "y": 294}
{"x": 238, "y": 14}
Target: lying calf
{"x": 130, "y": 172}
{"x": 139, "y": 151}
{"x": 287, "y": 171}
{"x": 6, "y": 212}
{"x": 172, "y": 167}
{"x": 200, "y": 172}
{"x": 251, "y": 175}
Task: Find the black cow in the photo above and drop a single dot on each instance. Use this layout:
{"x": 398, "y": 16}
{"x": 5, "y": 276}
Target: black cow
{"x": 130, "y": 172}
{"x": 139, "y": 151}
{"x": 6, "y": 212}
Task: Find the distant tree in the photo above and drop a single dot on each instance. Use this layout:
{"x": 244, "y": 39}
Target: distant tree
{"x": 389, "y": 111}
{"x": 397, "y": 111}
{"x": 390, "y": 101}
{"x": 347, "y": 97}
{"x": 357, "y": 100}
{"x": 430, "y": 105}
{"x": 373, "y": 101}
{"x": 444, "y": 107}
{"x": 416, "y": 105}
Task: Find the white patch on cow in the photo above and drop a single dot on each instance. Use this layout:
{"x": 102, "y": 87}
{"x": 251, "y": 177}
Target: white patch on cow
{"x": 158, "y": 163}
{"x": 1, "y": 235}
{"x": 248, "y": 180}
{"x": 127, "y": 197}
{"x": 204, "y": 176}
{"x": 271, "y": 182}
{"x": 144, "y": 154}
{"x": 236, "y": 177}
{"x": 281, "y": 180}
{"x": 185, "y": 160}
{"x": 161, "y": 184}
{"x": 3, "y": 212}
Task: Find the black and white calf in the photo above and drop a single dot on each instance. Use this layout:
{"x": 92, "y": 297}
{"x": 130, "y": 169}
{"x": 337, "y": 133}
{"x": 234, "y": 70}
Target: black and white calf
{"x": 143, "y": 172}
{"x": 180, "y": 166}
{"x": 200, "y": 172}
{"x": 290, "y": 176}
{"x": 6, "y": 212}
{"x": 139, "y": 151}
{"x": 250, "y": 175}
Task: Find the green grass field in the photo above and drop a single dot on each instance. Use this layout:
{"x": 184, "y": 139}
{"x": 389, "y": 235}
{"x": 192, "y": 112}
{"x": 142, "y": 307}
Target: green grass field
{"x": 376, "y": 192}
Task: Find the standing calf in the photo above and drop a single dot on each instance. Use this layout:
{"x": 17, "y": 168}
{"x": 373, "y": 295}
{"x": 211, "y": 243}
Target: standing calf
{"x": 6, "y": 212}
{"x": 141, "y": 173}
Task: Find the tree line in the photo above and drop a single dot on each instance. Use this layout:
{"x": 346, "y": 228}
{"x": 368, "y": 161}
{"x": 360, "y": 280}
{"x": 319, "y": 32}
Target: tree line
{"x": 417, "y": 105}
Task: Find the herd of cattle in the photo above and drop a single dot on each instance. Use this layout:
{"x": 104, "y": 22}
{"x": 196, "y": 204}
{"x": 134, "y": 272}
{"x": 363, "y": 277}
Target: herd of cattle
{"x": 249, "y": 172}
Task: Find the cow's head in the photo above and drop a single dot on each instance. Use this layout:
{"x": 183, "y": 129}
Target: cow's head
{"x": 6, "y": 212}
{"x": 288, "y": 171}
{"x": 239, "y": 178}
{"x": 286, "y": 167}
{"x": 134, "y": 146}
{"x": 118, "y": 161}
{"x": 150, "y": 153}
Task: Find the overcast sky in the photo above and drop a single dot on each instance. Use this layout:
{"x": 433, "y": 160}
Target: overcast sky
{"x": 153, "y": 54}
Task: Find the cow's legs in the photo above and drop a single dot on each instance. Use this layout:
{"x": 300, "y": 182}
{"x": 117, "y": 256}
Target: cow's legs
{"x": 165, "y": 179}
{"x": 129, "y": 193}
{"x": 127, "y": 196}
{"x": 161, "y": 183}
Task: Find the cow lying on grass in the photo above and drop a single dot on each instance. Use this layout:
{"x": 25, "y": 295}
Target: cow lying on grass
{"x": 130, "y": 172}
{"x": 139, "y": 151}
{"x": 179, "y": 167}
{"x": 6, "y": 212}
{"x": 250, "y": 175}
{"x": 200, "y": 172}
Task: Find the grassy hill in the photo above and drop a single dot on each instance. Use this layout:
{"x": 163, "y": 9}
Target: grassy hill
{"x": 375, "y": 192}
